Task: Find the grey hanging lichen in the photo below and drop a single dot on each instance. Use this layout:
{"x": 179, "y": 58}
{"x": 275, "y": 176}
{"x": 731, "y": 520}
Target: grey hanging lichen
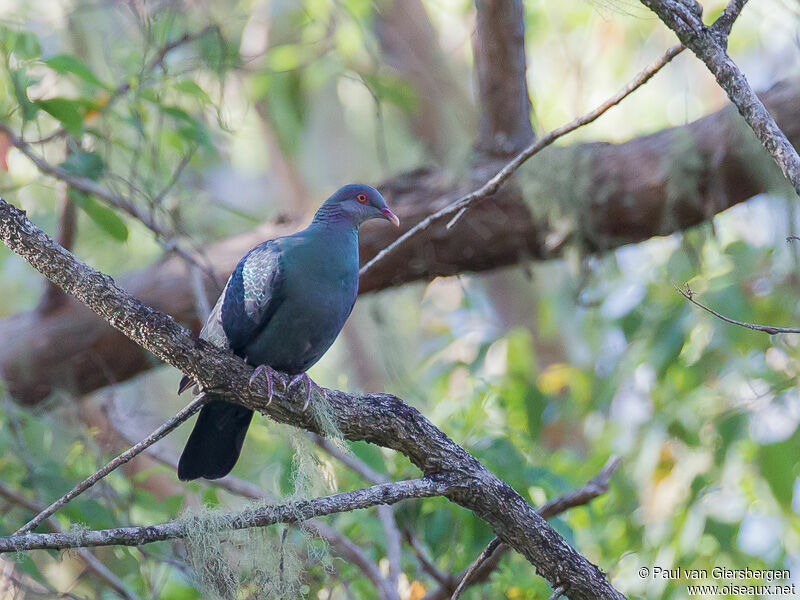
{"x": 264, "y": 563}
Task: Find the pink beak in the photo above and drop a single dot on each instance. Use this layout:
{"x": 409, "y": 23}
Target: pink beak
{"x": 390, "y": 216}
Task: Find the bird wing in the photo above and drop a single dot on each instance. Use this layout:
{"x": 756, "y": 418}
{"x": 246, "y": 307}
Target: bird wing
{"x": 250, "y": 298}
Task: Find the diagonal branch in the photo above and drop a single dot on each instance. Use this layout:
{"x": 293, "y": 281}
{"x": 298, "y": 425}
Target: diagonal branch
{"x": 191, "y": 408}
{"x": 90, "y": 560}
{"x": 626, "y": 200}
{"x": 297, "y": 512}
{"x": 688, "y": 293}
{"x": 378, "y": 418}
{"x": 386, "y": 514}
{"x": 457, "y": 208}
{"x": 342, "y": 545}
{"x": 489, "y": 558}
{"x": 710, "y": 46}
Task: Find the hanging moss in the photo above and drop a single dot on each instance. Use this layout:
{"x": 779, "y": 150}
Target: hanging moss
{"x": 264, "y": 563}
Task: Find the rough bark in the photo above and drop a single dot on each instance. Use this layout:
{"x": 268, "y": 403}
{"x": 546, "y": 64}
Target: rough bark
{"x": 382, "y": 494}
{"x": 710, "y": 44}
{"x": 381, "y": 419}
{"x": 618, "y": 194}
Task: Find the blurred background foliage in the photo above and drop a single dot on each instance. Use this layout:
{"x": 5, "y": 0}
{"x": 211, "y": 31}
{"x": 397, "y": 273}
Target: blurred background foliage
{"x": 541, "y": 371}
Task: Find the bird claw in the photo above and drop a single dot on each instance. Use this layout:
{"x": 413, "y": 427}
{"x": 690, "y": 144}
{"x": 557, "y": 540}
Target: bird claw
{"x": 269, "y": 372}
{"x": 310, "y": 385}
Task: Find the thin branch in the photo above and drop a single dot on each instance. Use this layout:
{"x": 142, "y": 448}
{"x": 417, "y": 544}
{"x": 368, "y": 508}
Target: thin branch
{"x": 97, "y": 568}
{"x": 351, "y": 461}
{"x": 458, "y": 207}
{"x": 688, "y": 293}
{"x": 89, "y": 186}
{"x": 558, "y": 591}
{"x": 710, "y": 45}
{"x": 394, "y": 540}
{"x": 489, "y": 559}
{"x": 343, "y": 545}
{"x": 120, "y": 460}
{"x": 426, "y": 562}
{"x": 724, "y": 23}
{"x": 378, "y": 418}
{"x": 482, "y": 557}
{"x": 297, "y": 512}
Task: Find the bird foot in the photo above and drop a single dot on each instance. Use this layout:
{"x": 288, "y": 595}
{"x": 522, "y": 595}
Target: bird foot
{"x": 310, "y": 385}
{"x": 269, "y": 372}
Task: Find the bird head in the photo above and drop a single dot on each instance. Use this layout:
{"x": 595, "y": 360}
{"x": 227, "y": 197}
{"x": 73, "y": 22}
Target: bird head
{"x": 357, "y": 203}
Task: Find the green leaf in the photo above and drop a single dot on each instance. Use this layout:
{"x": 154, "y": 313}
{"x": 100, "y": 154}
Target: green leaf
{"x": 779, "y": 466}
{"x": 19, "y": 84}
{"x": 85, "y": 164}
{"x": 68, "y": 112}
{"x": 104, "y": 217}
{"x": 26, "y": 45}
{"x": 187, "y": 86}
{"x": 64, "y": 63}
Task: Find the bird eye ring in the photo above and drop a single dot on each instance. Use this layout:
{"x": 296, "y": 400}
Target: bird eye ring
{"x": 362, "y": 198}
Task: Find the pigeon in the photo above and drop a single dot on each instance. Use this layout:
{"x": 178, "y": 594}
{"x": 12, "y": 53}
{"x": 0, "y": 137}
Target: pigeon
{"x": 281, "y": 309}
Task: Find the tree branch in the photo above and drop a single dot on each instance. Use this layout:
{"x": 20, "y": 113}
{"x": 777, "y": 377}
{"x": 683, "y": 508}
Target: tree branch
{"x": 710, "y": 46}
{"x": 499, "y": 51}
{"x": 191, "y": 408}
{"x": 378, "y": 418}
{"x": 627, "y": 195}
{"x": 386, "y": 493}
{"x": 489, "y": 559}
{"x": 342, "y": 545}
{"x": 97, "y": 568}
{"x": 689, "y": 295}
{"x": 457, "y": 208}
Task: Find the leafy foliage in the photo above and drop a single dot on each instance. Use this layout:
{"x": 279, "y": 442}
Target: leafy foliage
{"x": 594, "y": 356}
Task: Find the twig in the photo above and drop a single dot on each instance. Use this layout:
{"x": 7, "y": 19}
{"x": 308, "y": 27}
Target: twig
{"x": 426, "y": 562}
{"x": 89, "y": 186}
{"x": 297, "y": 512}
{"x": 343, "y": 545}
{"x": 394, "y": 541}
{"x": 458, "y": 207}
{"x": 92, "y": 563}
{"x": 486, "y": 553}
{"x": 351, "y": 461}
{"x": 495, "y": 550}
{"x": 558, "y": 591}
{"x": 710, "y": 45}
{"x": 120, "y": 460}
{"x": 689, "y": 295}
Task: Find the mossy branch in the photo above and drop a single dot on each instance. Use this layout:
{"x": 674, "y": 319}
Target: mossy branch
{"x": 378, "y": 418}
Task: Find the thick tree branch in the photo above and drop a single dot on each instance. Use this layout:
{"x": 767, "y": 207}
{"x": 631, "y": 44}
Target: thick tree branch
{"x": 627, "y": 191}
{"x": 378, "y": 418}
{"x": 500, "y": 66}
{"x": 489, "y": 559}
{"x": 457, "y": 208}
{"x": 710, "y": 46}
{"x": 297, "y": 512}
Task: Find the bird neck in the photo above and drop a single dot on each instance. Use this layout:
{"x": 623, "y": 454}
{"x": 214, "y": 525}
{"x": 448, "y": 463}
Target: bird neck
{"x": 333, "y": 216}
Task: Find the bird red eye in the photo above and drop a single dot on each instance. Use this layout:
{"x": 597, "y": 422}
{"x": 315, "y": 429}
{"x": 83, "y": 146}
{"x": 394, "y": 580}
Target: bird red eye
{"x": 362, "y": 198}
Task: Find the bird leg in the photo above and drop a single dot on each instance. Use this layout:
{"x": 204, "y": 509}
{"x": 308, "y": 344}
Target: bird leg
{"x": 269, "y": 372}
{"x": 310, "y": 385}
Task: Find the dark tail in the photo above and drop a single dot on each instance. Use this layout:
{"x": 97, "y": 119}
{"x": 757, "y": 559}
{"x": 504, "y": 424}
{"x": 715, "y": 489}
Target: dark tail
{"x": 216, "y": 441}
